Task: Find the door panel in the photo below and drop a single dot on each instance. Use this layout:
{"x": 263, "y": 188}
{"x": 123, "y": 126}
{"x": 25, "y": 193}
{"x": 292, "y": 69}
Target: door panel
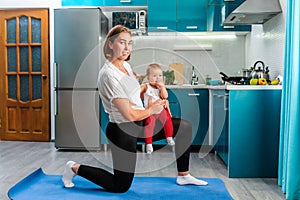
{"x": 24, "y": 72}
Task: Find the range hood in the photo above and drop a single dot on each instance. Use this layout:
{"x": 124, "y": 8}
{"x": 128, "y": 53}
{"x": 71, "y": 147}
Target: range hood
{"x": 253, "y": 12}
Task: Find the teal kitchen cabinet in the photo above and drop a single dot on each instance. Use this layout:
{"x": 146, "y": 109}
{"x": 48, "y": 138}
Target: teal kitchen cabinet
{"x": 223, "y": 2}
{"x": 104, "y": 2}
{"x": 82, "y": 2}
{"x": 103, "y": 124}
{"x": 219, "y": 118}
{"x": 161, "y": 15}
{"x": 254, "y": 119}
{"x": 180, "y": 15}
{"x": 124, "y": 2}
{"x": 191, "y": 15}
{"x": 218, "y": 10}
{"x": 192, "y": 105}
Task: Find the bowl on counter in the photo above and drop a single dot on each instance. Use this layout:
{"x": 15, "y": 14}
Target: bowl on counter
{"x": 215, "y": 82}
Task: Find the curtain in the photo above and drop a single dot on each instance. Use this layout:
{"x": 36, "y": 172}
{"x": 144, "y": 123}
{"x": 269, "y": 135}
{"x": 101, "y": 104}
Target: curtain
{"x": 289, "y": 150}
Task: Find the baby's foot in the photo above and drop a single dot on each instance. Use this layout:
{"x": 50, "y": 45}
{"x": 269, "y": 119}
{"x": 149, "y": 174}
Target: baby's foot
{"x": 189, "y": 180}
{"x": 68, "y": 175}
{"x": 149, "y": 148}
{"x": 170, "y": 141}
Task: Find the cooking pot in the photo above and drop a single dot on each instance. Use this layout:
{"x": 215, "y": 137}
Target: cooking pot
{"x": 246, "y": 73}
{"x": 236, "y": 80}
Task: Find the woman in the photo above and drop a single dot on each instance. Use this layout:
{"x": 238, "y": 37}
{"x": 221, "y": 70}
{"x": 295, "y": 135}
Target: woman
{"x": 120, "y": 94}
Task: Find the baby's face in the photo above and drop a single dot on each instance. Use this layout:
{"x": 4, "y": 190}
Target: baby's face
{"x": 155, "y": 76}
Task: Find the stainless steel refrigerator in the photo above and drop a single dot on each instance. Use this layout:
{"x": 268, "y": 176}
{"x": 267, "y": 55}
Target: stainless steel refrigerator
{"x": 78, "y": 37}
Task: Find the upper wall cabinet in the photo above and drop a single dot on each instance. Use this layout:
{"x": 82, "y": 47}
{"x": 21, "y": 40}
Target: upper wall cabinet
{"x": 81, "y": 2}
{"x": 218, "y": 10}
{"x": 180, "y": 15}
{"x": 124, "y": 2}
{"x": 104, "y": 2}
{"x": 161, "y": 15}
{"x": 191, "y": 15}
{"x": 222, "y": 2}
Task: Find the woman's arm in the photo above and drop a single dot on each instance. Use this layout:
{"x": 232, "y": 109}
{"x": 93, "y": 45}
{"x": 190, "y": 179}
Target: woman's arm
{"x": 143, "y": 90}
{"x": 131, "y": 114}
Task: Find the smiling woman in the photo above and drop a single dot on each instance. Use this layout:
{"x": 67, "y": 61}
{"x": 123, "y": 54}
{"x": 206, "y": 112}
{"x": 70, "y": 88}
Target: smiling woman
{"x": 120, "y": 94}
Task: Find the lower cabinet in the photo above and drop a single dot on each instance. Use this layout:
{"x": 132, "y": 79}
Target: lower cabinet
{"x": 219, "y": 128}
{"x": 254, "y": 126}
{"x": 192, "y": 105}
{"x": 188, "y": 104}
{"x": 246, "y": 131}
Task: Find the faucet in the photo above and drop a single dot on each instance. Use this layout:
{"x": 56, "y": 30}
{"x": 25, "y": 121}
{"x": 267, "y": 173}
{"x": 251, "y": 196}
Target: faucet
{"x": 194, "y": 80}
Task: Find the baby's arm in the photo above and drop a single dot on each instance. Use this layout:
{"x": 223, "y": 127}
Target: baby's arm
{"x": 162, "y": 90}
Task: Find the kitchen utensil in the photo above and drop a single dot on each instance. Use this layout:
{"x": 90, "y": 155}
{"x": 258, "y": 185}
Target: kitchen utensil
{"x": 178, "y": 69}
{"x": 266, "y": 74}
{"x": 246, "y": 73}
{"x": 194, "y": 80}
{"x": 236, "y": 80}
{"x": 258, "y": 72}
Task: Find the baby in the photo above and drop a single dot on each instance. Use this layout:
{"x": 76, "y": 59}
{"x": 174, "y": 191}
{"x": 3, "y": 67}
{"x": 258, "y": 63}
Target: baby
{"x": 156, "y": 89}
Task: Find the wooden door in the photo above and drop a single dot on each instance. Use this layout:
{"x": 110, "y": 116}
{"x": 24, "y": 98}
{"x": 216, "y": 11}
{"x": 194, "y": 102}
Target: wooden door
{"x": 24, "y": 75}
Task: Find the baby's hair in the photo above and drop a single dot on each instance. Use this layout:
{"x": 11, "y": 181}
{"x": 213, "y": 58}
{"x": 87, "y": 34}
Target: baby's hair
{"x": 153, "y": 66}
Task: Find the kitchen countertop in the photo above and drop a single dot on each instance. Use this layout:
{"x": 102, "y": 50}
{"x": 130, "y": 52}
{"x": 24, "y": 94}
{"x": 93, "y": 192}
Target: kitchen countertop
{"x": 226, "y": 86}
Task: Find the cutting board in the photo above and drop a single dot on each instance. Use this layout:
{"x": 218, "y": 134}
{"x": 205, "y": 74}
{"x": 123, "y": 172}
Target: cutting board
{"x": 178, "y": 71}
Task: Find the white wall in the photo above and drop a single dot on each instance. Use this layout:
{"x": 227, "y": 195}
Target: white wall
{"x": 210, "y": 54}
{"x": 266, "y": 43}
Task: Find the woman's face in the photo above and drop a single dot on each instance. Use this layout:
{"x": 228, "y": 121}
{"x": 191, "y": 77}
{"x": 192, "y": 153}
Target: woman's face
{"x": 121, "y": 46}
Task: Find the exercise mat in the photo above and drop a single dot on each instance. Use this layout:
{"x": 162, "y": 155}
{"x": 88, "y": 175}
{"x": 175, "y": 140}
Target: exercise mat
{"x": 41, "y": 186}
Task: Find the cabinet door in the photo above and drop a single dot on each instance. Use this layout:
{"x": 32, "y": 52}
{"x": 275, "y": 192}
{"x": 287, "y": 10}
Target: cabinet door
{"x": 82, "y": 2}
{"x": 104, "y": 2}
{"x": 192, "y": 15}
{"x": 124, "y": 2}
{"x": 223, "y": 2}
{"x": 220, "y": 123}
{"x": 254, "y": 126}
{"x": 193, "y": 107}
{"x": 217, "y": 14}
{"x": 103, "y": 124}
{"x": 161, "y": 15}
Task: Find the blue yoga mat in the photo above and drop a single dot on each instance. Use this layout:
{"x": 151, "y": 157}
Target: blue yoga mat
{"x": 41, "y": 186}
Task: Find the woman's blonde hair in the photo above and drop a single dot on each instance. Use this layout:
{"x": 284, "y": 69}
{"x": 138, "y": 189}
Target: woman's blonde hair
{"x": 111, "y": 36}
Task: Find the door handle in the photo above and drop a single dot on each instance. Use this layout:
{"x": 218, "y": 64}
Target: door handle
{"x": 44, "y": 76}
{"x": 193, "y": 94}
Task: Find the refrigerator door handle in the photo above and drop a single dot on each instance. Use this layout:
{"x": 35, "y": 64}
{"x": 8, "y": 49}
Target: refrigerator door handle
{"x": 56, "y": 74}
{"x": 55, "y": 83}
{"x": 55, "y": 103}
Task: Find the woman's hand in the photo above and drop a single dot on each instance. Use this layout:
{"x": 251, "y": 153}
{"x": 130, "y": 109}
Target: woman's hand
{"x": 131, "y": 114}
{"x": 156, "y": 107}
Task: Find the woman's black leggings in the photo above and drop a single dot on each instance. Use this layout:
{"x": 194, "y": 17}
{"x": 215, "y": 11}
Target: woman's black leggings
{"x": 123, "y": 143}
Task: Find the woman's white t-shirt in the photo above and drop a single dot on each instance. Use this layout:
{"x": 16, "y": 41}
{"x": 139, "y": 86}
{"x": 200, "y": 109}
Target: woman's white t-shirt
{"x": 113, "y": 83}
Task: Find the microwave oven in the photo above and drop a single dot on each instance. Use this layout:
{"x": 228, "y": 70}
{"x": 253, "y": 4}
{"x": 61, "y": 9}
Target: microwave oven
{"x": 133, "y": 17}
{"x": 136, "y": 21}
